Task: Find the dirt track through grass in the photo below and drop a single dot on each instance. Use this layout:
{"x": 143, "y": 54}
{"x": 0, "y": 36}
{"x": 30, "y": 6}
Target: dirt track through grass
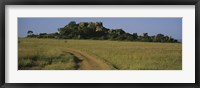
{"x": 53, "y": 54}
{"x": 85, "y": 61}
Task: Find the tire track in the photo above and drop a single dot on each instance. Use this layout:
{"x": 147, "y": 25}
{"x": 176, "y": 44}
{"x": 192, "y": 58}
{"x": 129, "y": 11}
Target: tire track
{"x": 85, "y": 61}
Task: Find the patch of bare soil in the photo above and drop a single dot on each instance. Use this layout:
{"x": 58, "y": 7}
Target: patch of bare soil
{"x": 85, "y": 61}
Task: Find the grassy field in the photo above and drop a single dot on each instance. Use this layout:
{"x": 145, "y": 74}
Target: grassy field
{"x": 51, "y": 54}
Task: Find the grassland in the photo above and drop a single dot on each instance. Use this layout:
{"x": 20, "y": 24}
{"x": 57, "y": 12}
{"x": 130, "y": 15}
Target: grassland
{"x": 51, "y": 54}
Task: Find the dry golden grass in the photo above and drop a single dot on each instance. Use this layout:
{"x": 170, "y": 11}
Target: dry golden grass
{"x": 120, "y": 54}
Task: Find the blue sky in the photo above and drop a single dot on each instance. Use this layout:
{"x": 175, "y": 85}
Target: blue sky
{"x": 152, "y": 26}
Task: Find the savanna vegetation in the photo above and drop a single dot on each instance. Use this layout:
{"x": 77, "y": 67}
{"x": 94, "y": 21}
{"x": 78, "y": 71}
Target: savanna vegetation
{"x": 96, "y": 31}
{"x": 90, "y": 46}
{"x": 62, "y": 54}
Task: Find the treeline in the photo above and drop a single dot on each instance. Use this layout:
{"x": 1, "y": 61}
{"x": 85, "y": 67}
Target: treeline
{"x": 96, "y": 31}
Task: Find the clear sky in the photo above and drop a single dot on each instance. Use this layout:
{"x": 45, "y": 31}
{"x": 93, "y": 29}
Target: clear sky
{"x": 152, "y": 26}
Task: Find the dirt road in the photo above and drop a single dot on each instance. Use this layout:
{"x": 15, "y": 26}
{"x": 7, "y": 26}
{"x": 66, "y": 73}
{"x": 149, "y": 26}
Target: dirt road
{"x": 85, "y": 61}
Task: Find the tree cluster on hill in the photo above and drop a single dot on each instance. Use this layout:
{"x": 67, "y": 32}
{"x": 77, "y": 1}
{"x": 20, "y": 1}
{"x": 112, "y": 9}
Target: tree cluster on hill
{"x": 96, "y": 30}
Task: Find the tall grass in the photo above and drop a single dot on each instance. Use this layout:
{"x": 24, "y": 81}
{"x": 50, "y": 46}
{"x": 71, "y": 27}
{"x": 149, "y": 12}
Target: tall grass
{"x": 34, "y": 54}
{"x": 122, "y": 55}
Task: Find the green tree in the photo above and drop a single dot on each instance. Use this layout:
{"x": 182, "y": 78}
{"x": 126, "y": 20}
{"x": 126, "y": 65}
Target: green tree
{"x": 29, "y": 33}
{"x": 159, "y": 37}
{"x": 95, "y": 30}
{"x": 72, "y": 25}
{"x": 135, "y": 36}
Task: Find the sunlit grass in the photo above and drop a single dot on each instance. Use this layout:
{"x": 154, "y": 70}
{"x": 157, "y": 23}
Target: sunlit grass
{"x": 35, "y": 54}
{"x": 121, "y": 54}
